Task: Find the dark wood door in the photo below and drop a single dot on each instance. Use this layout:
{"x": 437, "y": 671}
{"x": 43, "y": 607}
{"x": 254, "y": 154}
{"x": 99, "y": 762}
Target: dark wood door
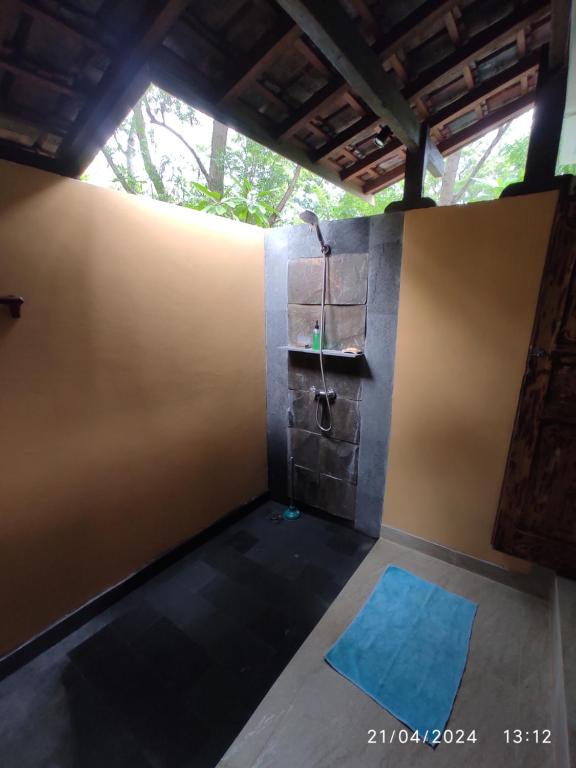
{"x": 537, "y": 512}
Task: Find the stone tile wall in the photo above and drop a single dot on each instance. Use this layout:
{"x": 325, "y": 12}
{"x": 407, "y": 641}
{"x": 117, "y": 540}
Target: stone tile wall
{"x": 343, "y": 473}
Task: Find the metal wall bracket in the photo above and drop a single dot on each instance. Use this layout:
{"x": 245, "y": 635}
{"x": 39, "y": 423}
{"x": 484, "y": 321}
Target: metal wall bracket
{"x": 13, "y": 303}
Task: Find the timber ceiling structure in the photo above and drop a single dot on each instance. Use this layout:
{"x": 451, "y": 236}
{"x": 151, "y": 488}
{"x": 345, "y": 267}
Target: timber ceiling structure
{"x": 339, "y": 86}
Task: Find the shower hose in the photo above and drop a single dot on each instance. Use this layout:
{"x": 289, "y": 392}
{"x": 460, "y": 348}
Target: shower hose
{"x": 321, "y": 427}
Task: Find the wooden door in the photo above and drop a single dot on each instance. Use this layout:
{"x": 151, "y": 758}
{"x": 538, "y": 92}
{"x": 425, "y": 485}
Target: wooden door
{"x": 537, "y": 512}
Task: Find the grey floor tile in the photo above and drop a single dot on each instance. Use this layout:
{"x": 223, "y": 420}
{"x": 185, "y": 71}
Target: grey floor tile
{"x": 314, "y": 717}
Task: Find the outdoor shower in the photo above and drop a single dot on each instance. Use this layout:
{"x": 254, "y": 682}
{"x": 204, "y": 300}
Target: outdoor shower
{"x": 324, "y": 395}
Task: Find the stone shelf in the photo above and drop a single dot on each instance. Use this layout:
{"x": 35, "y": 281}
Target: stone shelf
{"x": 327, "y": 352}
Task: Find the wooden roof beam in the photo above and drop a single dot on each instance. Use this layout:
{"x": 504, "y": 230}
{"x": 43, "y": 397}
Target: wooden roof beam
{"x": 384, "y": 180}
{"x": 51, "y": 82}
{"x": 417, "y": 21}
{"x": 121, "y": 86}
{"x": 328, "y": 26}
{"x": 41, "y": 14}
{"x": 31, "y": 119}
{"x": 483, "y": 42}
{"x": 392, "y": 147}
{"x": 262, "y": 61}
{"x": 488, "y": 123}
{"x": 345, "y": 137}
{"x": 28, "y": 156}
{"x": 486, "y": 89}
{"x": 319, "y": 101}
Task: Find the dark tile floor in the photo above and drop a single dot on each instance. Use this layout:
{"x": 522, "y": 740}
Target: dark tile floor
{"x": 167, "y": 677}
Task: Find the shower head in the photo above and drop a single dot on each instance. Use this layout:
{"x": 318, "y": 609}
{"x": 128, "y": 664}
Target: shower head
{"x": 310, "y": 218}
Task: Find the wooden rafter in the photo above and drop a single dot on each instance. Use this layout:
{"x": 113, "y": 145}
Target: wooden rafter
{"x": 454, "y": 110}
{"x": 329, "y": 27}
{"x": 392, "y": 147}
{"x": 262, "y": 60}
{"x": 322, "y": 99}
{"x": 488, "y": 123}
{"x": 468, "y": 76}
{"x": 345, "y": 137}
{"x": 122, "y": 84}
{"x": 31, "y": 119}
{"x": 312, "y": 57}
{"x": 49, "y": 81}
{"x": 417, "y": 21}
{"x": 384, "y": 180}
{"x": 452, "y": 27}
{"x": 486, "y": 89}
{"x": 47, "y": 17}
{"x": 477, "y": 46}
{"x": 366, "y": 16}
{"x": 18, "y": 154}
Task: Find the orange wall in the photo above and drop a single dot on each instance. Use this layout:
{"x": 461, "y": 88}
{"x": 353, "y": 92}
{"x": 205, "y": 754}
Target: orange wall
{"x": 132, "y": 395}
{"x": 468, "y": 290}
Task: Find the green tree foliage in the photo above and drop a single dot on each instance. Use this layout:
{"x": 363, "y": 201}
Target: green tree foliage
{"x": 156, "y": 151}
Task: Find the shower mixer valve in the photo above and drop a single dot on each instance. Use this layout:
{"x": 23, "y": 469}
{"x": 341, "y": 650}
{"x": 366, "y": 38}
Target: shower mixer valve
{"x": 330, "y": 394}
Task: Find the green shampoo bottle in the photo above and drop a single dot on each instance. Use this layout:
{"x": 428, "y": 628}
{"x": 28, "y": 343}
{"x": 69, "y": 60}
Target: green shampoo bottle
{"x": 316, "y": 337}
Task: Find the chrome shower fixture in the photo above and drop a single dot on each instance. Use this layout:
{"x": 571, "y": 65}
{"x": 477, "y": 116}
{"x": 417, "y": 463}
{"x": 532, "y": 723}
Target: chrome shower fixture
{"x": 325, "y": 395}
{"x": 310, "y": 218}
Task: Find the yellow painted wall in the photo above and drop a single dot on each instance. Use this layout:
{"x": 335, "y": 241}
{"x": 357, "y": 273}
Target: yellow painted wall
{"x": 468, "y": 291}
{"x": 132, "y": 390}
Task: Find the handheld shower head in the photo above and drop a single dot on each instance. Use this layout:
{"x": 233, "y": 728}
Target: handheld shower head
{"x": 310, "y": 218}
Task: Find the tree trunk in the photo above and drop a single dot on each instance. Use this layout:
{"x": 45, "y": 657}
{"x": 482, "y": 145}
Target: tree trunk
{"x": 449, "y": 179}
{"x": 151, "y": 170}
{"x": 217, "y": 157}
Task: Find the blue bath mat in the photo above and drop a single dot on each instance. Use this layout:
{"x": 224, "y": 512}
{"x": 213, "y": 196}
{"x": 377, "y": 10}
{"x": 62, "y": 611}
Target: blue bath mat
{"x": 407, "y": 649}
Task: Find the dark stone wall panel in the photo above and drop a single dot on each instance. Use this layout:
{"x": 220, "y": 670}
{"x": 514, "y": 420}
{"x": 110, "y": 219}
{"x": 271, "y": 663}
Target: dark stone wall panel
{"x": 306, "y": 486}
{"x": 337, "y": 497}
{"x": 338, "y": 459}
{"x": 347, "y": 280}
{"x": 345, "y": 325}
{"x": 304, "y": 446}
{"x": 345, "y": 415}
{"x": 345, "y": 376}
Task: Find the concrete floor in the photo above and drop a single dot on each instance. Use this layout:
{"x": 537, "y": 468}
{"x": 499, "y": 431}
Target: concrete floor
{"x": 314, "y": 718}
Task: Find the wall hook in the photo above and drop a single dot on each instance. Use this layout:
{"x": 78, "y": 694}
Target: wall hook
{"x": 13, "y": 303}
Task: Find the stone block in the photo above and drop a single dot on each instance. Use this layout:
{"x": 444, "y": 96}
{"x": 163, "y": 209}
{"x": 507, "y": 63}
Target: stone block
{"x": 345, "y": 325}
{"x": 344, "y": 376}
{"x": 337, "y": 497}
{"x": 345, "y": 415}
{"x": 347, "y": 280}
{"x": 305, "y": 448}
{"x": 338, "y": 459}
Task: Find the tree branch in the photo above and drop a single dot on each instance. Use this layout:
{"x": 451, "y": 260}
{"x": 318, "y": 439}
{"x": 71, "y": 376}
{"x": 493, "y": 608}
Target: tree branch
{"x": 485, "y": 155}
{"x": 189, "y": 147}
{"x": 117, "y": 170}
{"x": 273, "y": 218}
